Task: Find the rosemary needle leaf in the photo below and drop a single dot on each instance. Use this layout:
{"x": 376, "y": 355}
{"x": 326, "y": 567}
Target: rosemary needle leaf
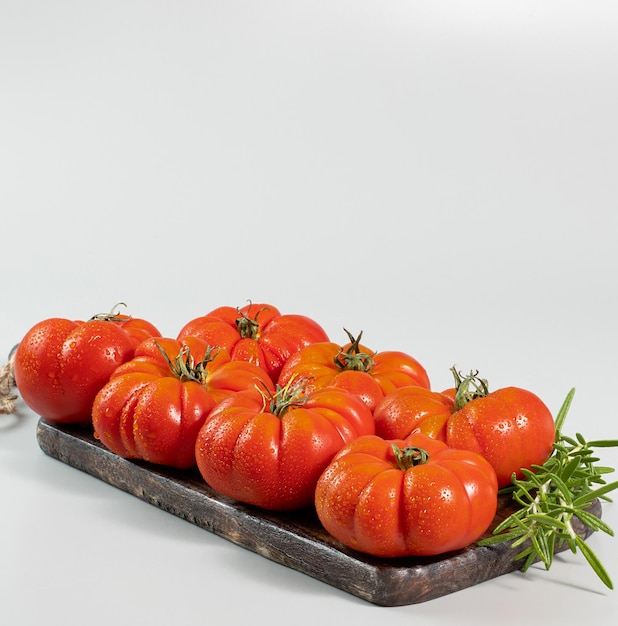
{"x": 541, "y": 547}
{"x": 589, "y": 496}
{"x": 594, "y": 562}
{"x": 571, "y": 467}
{"x": 592, "y": 521}
{"x": 530, "y": 557}
{"x": 547, "y": 521}
{"x": 604, "y": 443}
{"x": 564, "y": 409}
{"x": 561, "y": 489}
{"x": 494, "y": 539}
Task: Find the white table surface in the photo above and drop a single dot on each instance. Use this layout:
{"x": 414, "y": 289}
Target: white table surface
{"x": 440, "y": 175}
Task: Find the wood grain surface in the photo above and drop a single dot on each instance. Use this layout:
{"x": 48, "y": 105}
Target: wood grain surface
{"x": 296, "y": 540}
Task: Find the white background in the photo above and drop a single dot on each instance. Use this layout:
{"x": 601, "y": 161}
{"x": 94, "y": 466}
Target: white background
{"x": 440, "y": 175}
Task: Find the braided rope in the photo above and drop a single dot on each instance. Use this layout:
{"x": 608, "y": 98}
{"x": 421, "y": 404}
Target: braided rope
{"x": 7, "y": 382}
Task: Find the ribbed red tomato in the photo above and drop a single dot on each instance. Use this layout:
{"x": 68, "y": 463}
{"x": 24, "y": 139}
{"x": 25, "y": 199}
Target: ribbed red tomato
{"x": 413, "y": 497}
{"x": 258, "y": 333}
{"x": 61, "y": 364}
{"x": 268, "y": 449}
{"x": 353, "y": 366}
{"x": 154, "y": 405}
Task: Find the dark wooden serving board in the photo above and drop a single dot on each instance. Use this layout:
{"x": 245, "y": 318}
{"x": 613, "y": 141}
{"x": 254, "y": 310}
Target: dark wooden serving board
{"x": 296, "y": 540}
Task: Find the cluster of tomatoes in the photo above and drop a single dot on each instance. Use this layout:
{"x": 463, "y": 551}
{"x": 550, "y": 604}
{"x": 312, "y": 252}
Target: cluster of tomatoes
{"x": 276, "y": 415}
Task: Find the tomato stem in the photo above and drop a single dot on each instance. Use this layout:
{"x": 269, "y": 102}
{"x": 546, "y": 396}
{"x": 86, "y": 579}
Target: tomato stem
{"x": 112, "y": 316}
{"x": 409, "y": 456}
{"x": 247, "y": 327}
{"x": 468, "y": 388}
{"x": 292, "y": 394}
{"x": 353, "y": 358}
{"x": 184, "y": 366}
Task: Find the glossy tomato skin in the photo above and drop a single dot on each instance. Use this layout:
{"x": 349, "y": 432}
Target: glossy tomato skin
{"x": 413, "y": 409}
{"x": 511, "y": 427}
{"x": 247, "y": 452}
{"x": 388, "y": 371}
{"x": 258, "y": 333}
{"x": 61, "y": 364}
{"x": 148, "y": 412}
{"x": 137, "y": 328}
{"x": 369, "y": 503}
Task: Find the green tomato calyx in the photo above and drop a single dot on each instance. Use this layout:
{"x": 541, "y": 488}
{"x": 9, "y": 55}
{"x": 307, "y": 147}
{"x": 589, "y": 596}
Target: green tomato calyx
{"x": 353, "y": 358}
{"x": 409, "y": 457}
{"x": 249, "y": 328}
{"x": 293, "y": 394}
{"x": 184, "y": 366}
{"x": 468, "y": 388}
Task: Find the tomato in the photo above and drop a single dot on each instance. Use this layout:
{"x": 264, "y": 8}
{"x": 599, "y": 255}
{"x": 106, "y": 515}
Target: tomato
{"x": 258, "y": 333}
{"x": 61, "y": 364}
{"x": 154, "y": 405}
{"x": 413, "y": 409}
{"x": 511, "y": 427}
{"x": 370, "y": 375}
{"x": 269, "y": 450}
{"x": 413, "y": 497}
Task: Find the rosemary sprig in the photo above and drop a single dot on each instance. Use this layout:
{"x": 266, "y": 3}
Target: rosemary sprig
{"x": 552, "y": 495}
